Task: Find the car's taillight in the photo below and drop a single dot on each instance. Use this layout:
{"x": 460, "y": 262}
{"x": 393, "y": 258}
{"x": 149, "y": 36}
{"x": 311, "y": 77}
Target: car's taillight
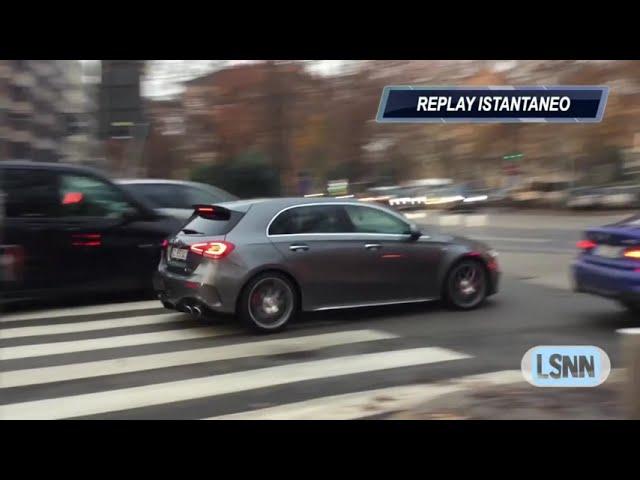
{"x": 205, "y": 210}
{"x": 633, "y": 253}
{"x": 72, "y": 197}
{"x": 214, "y": 250}
{"x": 164, "y": 244}
{"x": 586, "y": 245}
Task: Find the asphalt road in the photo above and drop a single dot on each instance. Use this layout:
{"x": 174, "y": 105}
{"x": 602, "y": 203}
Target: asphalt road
{"x": 135, "y": 360}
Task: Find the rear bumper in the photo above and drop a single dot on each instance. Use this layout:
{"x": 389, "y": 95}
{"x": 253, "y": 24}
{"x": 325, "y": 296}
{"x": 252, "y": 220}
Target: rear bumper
{"x": 179, "y": 291}
{"x": 616, "y": 283}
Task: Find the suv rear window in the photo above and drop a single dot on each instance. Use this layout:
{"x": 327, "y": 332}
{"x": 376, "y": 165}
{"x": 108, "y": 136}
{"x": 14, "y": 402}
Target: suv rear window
{"x": 161, "y": 195}
{"x": 217, "y": 224}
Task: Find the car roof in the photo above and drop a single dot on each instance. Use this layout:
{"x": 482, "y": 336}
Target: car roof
{"x": 165, "y": 181}
{"x": 284, "y": 202}
{"x": 185, "y": 183}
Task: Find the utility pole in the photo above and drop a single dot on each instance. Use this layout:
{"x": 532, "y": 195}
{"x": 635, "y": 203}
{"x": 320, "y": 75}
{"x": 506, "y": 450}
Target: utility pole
{"x": 277, "y": 113}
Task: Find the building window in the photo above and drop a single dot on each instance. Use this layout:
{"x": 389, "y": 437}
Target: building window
{"x": 19, "y": 151}
{"x": 18, "y": 93}
{"x": 21, "y": 123}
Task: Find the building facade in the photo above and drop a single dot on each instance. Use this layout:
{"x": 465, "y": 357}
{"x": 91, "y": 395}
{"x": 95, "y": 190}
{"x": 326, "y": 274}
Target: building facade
{"x": 42, "y": 107}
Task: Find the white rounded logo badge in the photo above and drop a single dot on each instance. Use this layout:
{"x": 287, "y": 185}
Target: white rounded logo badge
{"x": 565, "y": 366}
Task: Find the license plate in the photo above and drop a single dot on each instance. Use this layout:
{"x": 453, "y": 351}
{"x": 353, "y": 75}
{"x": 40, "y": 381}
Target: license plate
{"x": 179, "y": 253}
{"x": 608, "y": 251}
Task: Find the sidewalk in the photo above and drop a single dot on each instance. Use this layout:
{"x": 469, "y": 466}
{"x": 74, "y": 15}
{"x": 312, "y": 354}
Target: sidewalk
{"x": 502, "y": 396}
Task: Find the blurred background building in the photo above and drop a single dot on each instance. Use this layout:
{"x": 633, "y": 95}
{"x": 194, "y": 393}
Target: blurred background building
{"x": 44, "y": 111}
{"x": 271, "y": 127}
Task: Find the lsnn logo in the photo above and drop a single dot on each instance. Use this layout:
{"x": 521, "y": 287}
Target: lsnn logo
{"x": 565, "y": 366}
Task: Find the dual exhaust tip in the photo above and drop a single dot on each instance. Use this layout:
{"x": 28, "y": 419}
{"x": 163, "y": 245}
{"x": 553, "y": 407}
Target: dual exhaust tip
{"x": 193, "y": 310}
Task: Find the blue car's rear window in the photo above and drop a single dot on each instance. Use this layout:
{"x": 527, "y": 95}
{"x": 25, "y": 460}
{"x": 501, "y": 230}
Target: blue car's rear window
{"x": 631, "y": 221}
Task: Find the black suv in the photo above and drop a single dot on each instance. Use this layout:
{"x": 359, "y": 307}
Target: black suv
{"x": 67, "y": 229}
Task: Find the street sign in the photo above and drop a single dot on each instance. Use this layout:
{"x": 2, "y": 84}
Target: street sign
{"x": 515, "y": 156}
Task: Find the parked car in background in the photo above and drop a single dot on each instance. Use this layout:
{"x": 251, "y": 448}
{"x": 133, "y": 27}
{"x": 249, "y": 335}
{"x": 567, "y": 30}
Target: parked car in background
{"x": 70, "y": 230}
{"x": 584, "y": 198}
{"x": 541, "y": 194}
{"x": 457, "y": 198}
{"x": 449, "y": 197}
{"x": 409, "y": 198}
{"x": 605, "y": 197}
{"x": 620, "y": 196}
{"x": 498, "y": 198}
{"x": 383, "y": 195}
{"x": 176, "y": 197}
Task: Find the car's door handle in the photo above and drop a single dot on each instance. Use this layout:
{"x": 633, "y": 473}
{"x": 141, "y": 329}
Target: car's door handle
{"x": 372, "y": 246}
{"x": 301, "y": 247}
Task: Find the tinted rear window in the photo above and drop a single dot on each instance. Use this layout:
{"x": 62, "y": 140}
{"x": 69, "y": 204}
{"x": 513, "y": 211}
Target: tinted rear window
{"x": 216, "y": 225}
{"x": 161, "y": 195}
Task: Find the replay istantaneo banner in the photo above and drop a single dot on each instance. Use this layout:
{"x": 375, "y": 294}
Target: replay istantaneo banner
{"x": 506, "y": 104}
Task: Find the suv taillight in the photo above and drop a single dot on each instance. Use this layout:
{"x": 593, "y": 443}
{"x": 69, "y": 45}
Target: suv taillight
{"x": 213, "y": 250}
{"x": 586, "y": 245}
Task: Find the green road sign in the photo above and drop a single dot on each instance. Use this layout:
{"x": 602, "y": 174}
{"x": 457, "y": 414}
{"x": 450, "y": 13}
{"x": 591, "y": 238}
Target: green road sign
{"x": 515, "y": 156}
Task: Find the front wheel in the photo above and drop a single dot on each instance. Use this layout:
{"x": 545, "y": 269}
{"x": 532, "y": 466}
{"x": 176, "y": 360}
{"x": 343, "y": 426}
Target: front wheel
{"x": 268, "y": 303}
{"x": 465, "y": 286}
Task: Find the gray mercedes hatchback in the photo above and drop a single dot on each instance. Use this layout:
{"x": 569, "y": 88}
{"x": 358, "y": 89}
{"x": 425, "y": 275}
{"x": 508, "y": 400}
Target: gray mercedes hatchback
{"x": 267, "y": 259}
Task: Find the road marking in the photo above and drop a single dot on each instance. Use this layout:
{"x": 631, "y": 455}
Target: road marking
{"x": 372, "y": 402}
{"x": 475, "y": 220}
{"x": 449, "y": 220}
{"x": 170, "y": 392}
{"x": 33, "y": 376}
{"x": 510, "y": 239}
{"x": 40, "y": 350}
{"x": 60, "y": 328}
{"x": 89, "y": 310}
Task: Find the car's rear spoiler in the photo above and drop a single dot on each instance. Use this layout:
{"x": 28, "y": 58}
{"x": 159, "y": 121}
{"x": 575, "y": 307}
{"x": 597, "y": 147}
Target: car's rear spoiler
{"x": 212, "y": 212}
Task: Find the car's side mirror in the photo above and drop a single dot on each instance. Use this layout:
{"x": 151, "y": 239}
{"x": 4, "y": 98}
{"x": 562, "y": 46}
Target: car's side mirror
{"x": 414, "y": 232}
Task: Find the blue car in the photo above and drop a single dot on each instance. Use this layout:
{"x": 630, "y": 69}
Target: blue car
{"x": 609, "y": 262}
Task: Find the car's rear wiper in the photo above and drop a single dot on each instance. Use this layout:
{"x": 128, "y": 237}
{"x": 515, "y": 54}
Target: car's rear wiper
{"x": 189, "y": 231}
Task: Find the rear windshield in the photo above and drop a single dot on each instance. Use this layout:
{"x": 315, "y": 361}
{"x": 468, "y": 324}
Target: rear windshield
{"x": 219, "y": 224}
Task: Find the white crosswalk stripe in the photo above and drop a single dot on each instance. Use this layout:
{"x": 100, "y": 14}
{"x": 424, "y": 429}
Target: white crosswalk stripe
{"x": 75, "y": 327}
{"x": 83, "y": 311}
{"x": 157, "y": 394}
{"x": 36, "y": 382}
{"x": 163, "y": 360}
{"x": 26, "y": 351}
